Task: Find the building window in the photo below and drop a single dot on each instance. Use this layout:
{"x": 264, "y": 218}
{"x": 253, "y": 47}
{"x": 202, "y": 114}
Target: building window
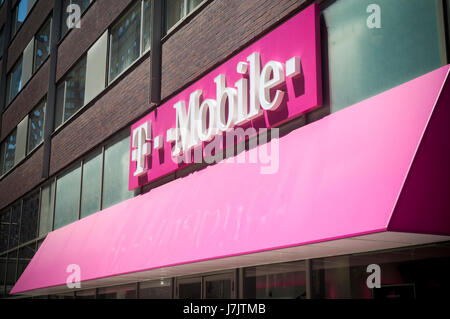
{"x": 91, "y": 186}
{"x": 14, "y": 227}
{"x": 47, "y": 208}
{"x": 177, "y": 10}
{"x": 83, "y": 4}
{"x": 146, "y": 35}
{"x": 120, "y": 292}
{"x": 36, "y": 126}
{"x": 67, "y": 198}
{"x": 115, "y": 175}
{"x": 125, "y": 41}
{"x": 2, "y": 41}
{"x": 14, "y": 81}
{"x": 70, "y": 93}
{"x": 42, "y": 44}
{"x": 362, "y": 62}
{"x": 159, "y": 289}
{"x": 279, "y": 281}
{"x": 20, "y": 14}
{"x": 29, "y": 218}
{"x": 412, "y": 273}
{"x": 5, "y": 221}
{"x": 8, "y": 152}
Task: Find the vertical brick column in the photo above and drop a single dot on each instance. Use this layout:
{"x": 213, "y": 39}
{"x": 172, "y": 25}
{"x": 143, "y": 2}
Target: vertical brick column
{"x": 51, "y": 95}
{"x": 6, "y": 39}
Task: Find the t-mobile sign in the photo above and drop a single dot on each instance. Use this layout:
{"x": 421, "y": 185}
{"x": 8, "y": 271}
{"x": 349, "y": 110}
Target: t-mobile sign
{"x": 274, "y": 80}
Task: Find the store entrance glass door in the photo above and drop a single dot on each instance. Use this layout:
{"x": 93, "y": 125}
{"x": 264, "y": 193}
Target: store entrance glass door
{"x": 219, "y": 286}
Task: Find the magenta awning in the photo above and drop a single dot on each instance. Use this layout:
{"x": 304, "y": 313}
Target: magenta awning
{"x": 378, "y": 166}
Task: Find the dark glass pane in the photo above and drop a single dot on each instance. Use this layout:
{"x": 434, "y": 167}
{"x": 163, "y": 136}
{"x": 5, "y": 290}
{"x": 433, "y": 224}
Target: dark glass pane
{"x": 15, "y": 81}
{"x": 86, "y": 294}
{"x": 190, "y": 290}
{"x": 364, "y": 61}
{"x": 218, "y": 289}
{"x": 4, "y": 229}
{"x": 420, "y": 272}
{"x": 29, "y": 220}
{"x": 42, "y": 44}
{"x": 11, "y": 269}
{"x": 174, "y": 12}
{"x": 120, "y": 292}
{"x": 75, "y": 87}
{"x": 2, "y": 272}
{"x": 59, "y": 107}
{"x": 9, "y": 152}
{"x": 14, "y": 226}
{"x": 279, "y": 281}
{"x": 160, "y": 289}
{"x": 62, "y": 296}
{"x": 36, "y": 126}
{"x": 25, "y": 255}
{"x": 147, "y": 26}
{"x": 125, "y": 41}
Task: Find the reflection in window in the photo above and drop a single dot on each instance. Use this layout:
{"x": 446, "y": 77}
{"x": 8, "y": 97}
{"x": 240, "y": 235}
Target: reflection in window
{"x": 120, "y": 292}
{"x": 8, "y": 152}
{"x": 29, "y": 218}
{"x": 413, "y": 273}
{"x": 46, "y": 211}
{"x": 363, "y": 62}
{"x": 146, "y": 36}
{"x": 91, "y": 187}
{"x": 20, "y": 14}
{"x": 14, "y": 226}
{"x": 70, "y": 93}
{"x": 36, "y": 126}
{"x": 5, "y": 217}
{"x": 25, "y": 255}
{"x": 280, "y": 281}
{"x": 67, "y": 198}
{"x": 14, "y": 82}
{"x": 84, "y": 4}
{"x": 125, "y": 41}
{"x": 11, "y": 267}
{"x": 42, "y": 45}
{"x": 115, "y": 183}
{"x": 159, "y": 289}
{"x": 178, "y": 9}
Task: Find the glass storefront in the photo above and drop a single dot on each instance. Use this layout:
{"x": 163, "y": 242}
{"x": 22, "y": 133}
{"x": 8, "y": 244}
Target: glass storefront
{"x": 419, "y": 272}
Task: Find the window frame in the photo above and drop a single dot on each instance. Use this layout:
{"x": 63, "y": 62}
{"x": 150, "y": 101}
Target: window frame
{"x": 14, "y": 28}
{"x": 186, "y": 15}
{"x": 49, "y": 20}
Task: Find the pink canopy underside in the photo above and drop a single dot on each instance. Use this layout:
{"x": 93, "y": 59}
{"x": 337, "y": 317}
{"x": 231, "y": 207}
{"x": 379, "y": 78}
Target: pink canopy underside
{"x": 338, "y": 177}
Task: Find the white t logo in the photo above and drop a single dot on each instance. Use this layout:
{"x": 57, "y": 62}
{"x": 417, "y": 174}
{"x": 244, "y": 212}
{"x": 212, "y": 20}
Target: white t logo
{"x": 141, "y": 142}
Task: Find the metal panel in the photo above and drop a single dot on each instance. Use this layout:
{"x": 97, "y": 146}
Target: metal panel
{"x": 27, "y": 62}
{"x": 96, "y": 68}
{"x": 21, "y": 140}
